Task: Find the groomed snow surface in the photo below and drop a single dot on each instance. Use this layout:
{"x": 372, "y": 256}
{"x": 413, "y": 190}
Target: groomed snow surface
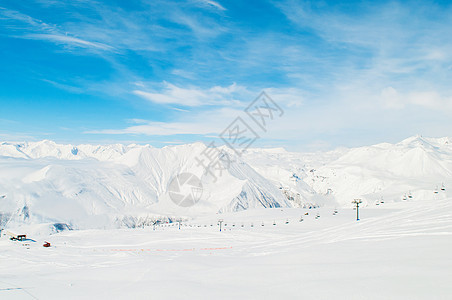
{"x": 272, "y": 246}
{"x": 393, "y": 252}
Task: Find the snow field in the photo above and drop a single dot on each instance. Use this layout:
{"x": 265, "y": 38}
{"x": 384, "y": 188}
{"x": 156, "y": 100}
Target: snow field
{"x": 394, "y": 252}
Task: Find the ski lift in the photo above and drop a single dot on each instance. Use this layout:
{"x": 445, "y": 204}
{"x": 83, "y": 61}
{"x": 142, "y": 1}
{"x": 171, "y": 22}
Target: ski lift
{"x": 262, "y": 224}
{"x": 274, "y": 223}
{"x": 252, "y": 225}
{"x": 410, "y": 195}
{"x": 436, "y": 190}
{"x": 443, "y": 188}
{"x": 301, "y": 219}
{"x": 287, "y": 221}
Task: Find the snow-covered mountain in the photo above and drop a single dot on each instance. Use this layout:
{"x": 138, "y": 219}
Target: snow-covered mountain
{"x": 95, "y": 186}
{"x": 89, "y": 186}
{"x": 414, "y": 169}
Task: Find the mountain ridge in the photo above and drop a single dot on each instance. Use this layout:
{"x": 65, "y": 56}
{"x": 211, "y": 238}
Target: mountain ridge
{"x": 91, "y": 186}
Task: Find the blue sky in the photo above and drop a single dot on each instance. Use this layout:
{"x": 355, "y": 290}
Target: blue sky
{"x": 166, "y": 72}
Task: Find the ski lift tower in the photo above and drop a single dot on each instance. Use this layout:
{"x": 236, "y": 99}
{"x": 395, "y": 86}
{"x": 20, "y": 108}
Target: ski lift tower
{"x": 357, "y": 202}
{"x": 179, "y": 222}
{"x": 220, "y": 222}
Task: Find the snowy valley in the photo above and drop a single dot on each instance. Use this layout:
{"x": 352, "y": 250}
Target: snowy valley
{"x": 288, "y": 228}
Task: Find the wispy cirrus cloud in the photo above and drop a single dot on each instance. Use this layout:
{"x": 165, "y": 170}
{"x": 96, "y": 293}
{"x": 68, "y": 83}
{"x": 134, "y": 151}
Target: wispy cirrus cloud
{"x": 158, "y": 129}
{"x": 208, "y": 120}
{"x": 193, "y": 123}
{"x": 194, "y": 96}
{"x": 65, "y": 39}
{"x": 211, "y": 3}
{"x": 382, "y": 54}
{"x": 26, "y": 27}
{"x": 331, "y": 65}
{"x": 13, "y": 15}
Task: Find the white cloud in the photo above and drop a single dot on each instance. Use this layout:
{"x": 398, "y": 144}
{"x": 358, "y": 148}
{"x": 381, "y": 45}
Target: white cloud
{"x": 8, "y": 14}
{"x": 431, "y": 99}
{"x": 214, "y": 4}
{"x": 174, "y": 95}
{"x": 216, "y": 112}
{"x": 209, "y": 3}
{"x": 289, "y": 97}
{"x": 65, "y": 39}
{"x": 193, "y": 96}
{"x": 39, "y": 30}
{"x": 159, "y": 129}
{"x": 201, "y": 28}
{"x": 201, "y": 123}
{"x": 211, "y": 120}
{"x": 184, "y": 74}
{"x": 382, "y": 45}
{"x": 393, "y": 99}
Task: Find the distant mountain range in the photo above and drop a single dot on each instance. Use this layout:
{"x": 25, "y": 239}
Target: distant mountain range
{"x": 89, "y": 186}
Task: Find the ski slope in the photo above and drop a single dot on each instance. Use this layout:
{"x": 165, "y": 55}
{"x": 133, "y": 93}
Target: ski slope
{"x": 288, "y": 225}
{"x": 396, "y": 251}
